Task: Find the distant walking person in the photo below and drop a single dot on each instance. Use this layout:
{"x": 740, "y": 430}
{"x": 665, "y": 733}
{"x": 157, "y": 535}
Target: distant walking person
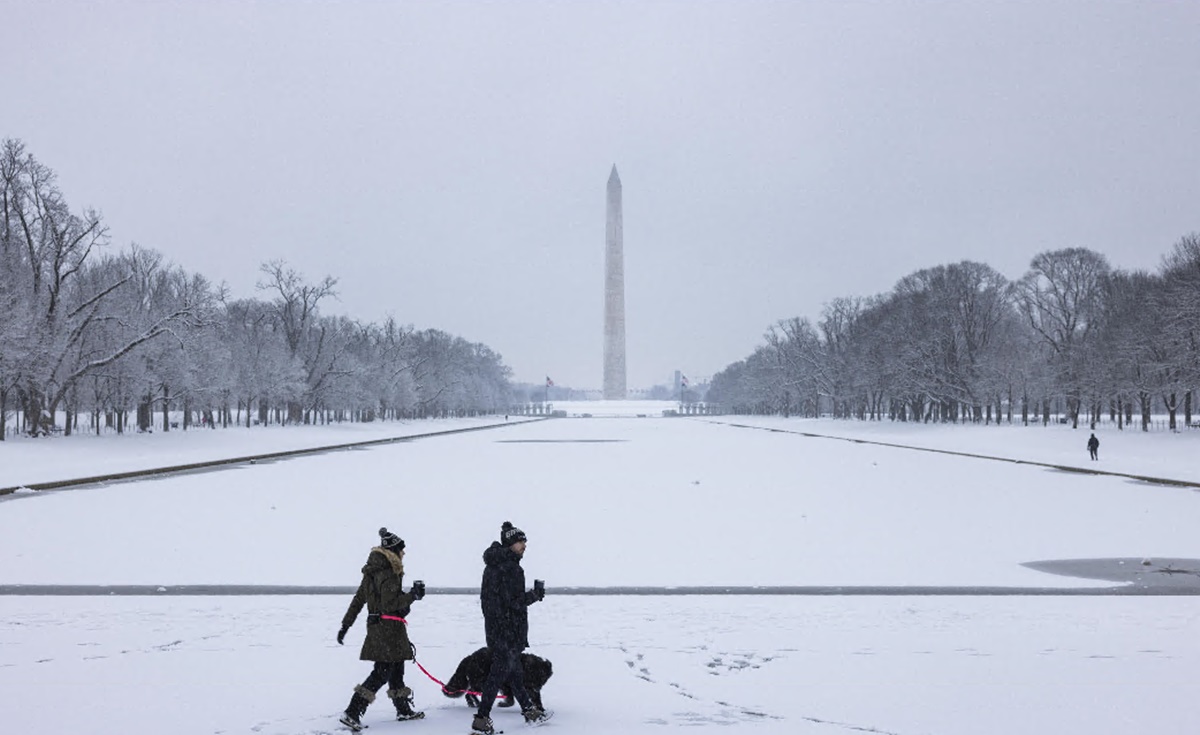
{"x": 387, "y": 641}
{"x": 505, "y": 603}
{"x": 1094, "y": 447}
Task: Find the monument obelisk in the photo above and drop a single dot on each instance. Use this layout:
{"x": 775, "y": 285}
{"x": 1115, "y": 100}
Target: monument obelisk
{"x": 614, "y": 294}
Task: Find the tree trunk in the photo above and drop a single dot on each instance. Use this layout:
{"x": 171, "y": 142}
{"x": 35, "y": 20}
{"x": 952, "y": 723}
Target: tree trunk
{"x": 33, "y": 414}
{"x": 145, "y": 414}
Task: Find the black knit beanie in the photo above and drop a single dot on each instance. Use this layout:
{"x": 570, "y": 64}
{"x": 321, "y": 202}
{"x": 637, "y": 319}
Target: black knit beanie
{"x": 510, "y": 534}
{"x": 390, "y": 541}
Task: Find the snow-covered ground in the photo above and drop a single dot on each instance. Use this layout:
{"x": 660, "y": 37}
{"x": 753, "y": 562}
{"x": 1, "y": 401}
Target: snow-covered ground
{"x": 901, "y": 665}
{"x": 1161, "y": 454}
{"x": 25, "y": 461}
{"x": 620, "y": 501}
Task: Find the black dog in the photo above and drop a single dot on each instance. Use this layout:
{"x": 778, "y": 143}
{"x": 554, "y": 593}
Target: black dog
{"x": 473, "y": 670}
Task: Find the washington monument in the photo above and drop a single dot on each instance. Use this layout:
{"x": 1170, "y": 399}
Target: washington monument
{"x": 614, "y": 295}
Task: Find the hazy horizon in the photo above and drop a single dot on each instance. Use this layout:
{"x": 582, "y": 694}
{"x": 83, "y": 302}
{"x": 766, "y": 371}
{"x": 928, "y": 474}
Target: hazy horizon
{"x": 447, "y": 162}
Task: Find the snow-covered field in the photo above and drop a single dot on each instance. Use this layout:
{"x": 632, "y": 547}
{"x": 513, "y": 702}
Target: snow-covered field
{"x": 1129, "y": 451}
{"x": 909, "y": 666}
{"x": 25, "y": 461}
{"x": 620, "y": 501}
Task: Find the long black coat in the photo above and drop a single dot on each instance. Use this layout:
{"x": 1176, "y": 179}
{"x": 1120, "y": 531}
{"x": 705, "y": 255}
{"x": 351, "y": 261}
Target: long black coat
{"x": 380, "y": 590}
{"x": 504, "y": 599}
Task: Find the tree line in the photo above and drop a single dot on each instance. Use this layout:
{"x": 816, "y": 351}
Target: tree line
{"x": 104, "y": 338}
{"x": 1073, "y": 337}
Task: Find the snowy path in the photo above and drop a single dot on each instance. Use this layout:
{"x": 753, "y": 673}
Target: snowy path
{"x": 944, "y": 666}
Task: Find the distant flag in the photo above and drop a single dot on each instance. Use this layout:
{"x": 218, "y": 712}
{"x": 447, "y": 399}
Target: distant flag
{"x": 549, "y": 382}
{"x": 683, "y": 381}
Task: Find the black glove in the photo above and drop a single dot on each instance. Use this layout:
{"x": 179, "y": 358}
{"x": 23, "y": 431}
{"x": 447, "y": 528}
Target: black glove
{"x": 418, "y": 590}
{"x": 342, "y": 637}
{"x": 472, "y": 700}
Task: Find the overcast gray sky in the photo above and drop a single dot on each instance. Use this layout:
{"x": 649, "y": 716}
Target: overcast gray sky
{"x": 447, "y": 161}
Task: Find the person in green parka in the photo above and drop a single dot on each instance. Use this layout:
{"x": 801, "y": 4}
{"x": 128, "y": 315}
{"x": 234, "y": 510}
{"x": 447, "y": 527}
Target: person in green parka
{"x": 387, "y": 641}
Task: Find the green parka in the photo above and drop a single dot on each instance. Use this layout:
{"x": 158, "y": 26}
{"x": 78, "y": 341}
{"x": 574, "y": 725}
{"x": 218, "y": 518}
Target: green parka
{"x": 380, "y": 590}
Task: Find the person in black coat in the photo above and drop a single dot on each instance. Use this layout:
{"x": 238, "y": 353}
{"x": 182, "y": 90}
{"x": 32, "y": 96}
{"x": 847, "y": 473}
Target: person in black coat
{"x": 1094, "y": 447}
{"x": 505, "y": 603}
{"x": 472, "y": 672}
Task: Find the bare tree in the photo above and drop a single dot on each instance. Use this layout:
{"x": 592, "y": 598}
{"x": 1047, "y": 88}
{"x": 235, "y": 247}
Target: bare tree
{"x": 1178, "y": 302}
{"x": 798, "y": 371}
{"x": 296, "y": 309}
{"x": 49, "y": 250}
{"x": 1061, "y": 297}
{"x": 264, "y": 368}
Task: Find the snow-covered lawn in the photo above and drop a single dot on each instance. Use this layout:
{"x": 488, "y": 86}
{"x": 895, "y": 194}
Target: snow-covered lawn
{"x": 1161, "y": 454}
{"x": 898, "y": 665}
{"x": 25, "y": 461}
{"x": 620, "y": 501}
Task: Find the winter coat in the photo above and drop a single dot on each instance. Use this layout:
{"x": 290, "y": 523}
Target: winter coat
{"x": 1093, "y": 444}
{"x": 504, "y": 599}
{"x": 380, "y": 590}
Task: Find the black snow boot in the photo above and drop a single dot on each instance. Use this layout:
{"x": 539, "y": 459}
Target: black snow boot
{"x": 352, "y": 717}
{"x": 482, "y": 725}
{"x": 403, "y": 699}
{"x": 536, "y": 715}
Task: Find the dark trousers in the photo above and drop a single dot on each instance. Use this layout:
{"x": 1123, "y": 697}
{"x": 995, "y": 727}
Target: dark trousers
{"x": 1093, "y": 452}
{"x": 506, "y": 670}
{"x": 385, "y": 672}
